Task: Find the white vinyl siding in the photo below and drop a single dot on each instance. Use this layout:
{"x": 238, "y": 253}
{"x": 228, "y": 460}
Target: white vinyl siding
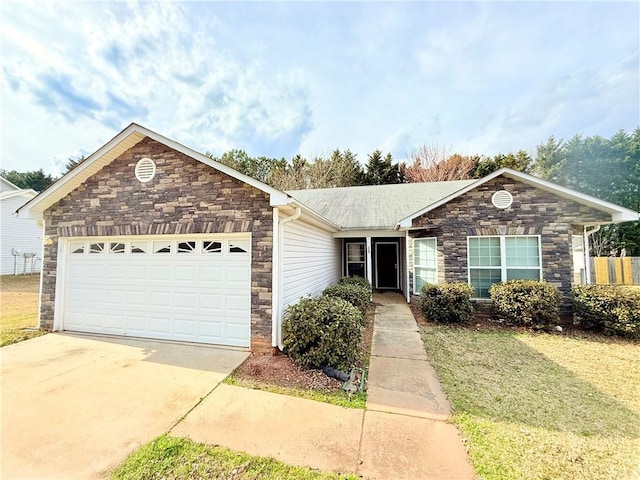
{"x": 19, "y": 233}
{"x": 425, "y": 262}
{"x": 493, "y": 259}
{"x": 310, "y": 261}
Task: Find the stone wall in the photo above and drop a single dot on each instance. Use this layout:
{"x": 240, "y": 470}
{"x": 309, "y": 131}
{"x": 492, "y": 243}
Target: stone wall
{"x": 185, "y": 197}
{"x": 533, "y": 212}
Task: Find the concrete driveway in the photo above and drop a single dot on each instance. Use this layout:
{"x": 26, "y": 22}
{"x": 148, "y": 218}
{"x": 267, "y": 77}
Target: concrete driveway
{"x": 74, "y": 406}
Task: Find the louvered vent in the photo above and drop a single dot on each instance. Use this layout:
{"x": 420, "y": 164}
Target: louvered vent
{"x": 145, "y": 170}
{"x": 502, "y": 199}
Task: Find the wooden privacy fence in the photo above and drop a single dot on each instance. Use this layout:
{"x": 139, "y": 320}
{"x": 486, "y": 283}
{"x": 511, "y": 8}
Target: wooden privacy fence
{"x": 615, "y": 270}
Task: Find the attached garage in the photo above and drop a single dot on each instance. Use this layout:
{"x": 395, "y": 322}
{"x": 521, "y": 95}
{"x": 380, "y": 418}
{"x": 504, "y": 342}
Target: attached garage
{"x": 148, "y": 238}
{"x": 188, "y": 288}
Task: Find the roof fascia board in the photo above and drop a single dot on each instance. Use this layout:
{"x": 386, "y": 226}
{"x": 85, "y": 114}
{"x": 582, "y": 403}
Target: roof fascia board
{"x": 35, "y": 207}
{"x": 15, "y": 193}
{"x": 278, "y": 198}
{"x": 31, "y": 209}
{"x": 618, "y": 213}
{"x": 10, "y": 184}
{"x": 623, "y": 213}
{"x": 387, "y": 233}
{"x": 315, "y": 218}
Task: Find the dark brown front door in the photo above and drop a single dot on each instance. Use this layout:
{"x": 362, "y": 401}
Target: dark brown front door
{"x": 386, "y": 265}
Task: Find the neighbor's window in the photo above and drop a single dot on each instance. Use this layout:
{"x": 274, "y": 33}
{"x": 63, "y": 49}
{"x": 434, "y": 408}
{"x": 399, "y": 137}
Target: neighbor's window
{"x": 501, "y": 258}
{"x": 356, "y": 260}
{"x": 425, "y": 262}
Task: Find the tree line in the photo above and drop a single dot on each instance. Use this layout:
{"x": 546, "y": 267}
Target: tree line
{"x": 607, "y": 168}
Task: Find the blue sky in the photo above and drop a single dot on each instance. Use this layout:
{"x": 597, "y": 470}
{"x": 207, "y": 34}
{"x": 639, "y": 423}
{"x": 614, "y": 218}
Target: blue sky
{"x": 283, "y": 78}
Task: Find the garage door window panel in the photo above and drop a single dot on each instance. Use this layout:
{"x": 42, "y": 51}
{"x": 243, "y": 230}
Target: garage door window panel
{"x": 117, "y": 247}
{"x": 96, "y": 247}
{"x": 186, "y": 247}
{"x": 238, "y": 246}
{"x": 139, "y": 247}
{"x": 161, "y": 246}
{"x": 211, "y": 247}
{"x": 76, "y": 247}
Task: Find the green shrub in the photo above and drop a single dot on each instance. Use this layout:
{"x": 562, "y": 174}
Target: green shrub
{"x": 447, "y": 302}
{"x": 614, "y": 310}
{"x": 360, "y": 281}
{"x": 526, "y": 302}
{"x": 355, "y": 294}
{"x": 322, "y": 331}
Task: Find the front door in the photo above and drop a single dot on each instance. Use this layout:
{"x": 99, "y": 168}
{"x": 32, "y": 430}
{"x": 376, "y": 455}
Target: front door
{"x": 387, "y": 273}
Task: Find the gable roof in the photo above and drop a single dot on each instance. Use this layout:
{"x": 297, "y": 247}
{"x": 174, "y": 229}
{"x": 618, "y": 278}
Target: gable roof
{"x": 618, "y": 213}
{"x": 22, "y": 192}
{"x": 122, "y": 142}
{"x": 375, "y": 206}
{"x": 7, "y": 185}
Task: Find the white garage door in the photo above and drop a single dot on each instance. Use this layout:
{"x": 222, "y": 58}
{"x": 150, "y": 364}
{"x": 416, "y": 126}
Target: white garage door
{"x": 183, "y": 288}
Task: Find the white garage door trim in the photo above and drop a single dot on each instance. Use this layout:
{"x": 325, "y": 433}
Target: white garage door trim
{"x": 194, "y": 288}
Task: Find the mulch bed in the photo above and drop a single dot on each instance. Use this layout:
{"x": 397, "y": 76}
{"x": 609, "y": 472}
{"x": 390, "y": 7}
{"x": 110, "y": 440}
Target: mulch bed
{"x": 279, "y": 370}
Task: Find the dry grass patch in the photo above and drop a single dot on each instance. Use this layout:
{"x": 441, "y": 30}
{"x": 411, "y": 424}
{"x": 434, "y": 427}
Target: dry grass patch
{"x": 19, "y": 314}
{"x": 539, "y": 406}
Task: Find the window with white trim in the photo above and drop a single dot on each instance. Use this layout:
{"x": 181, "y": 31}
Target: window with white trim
{"x": 356, "y": 259}
{"x": 425, "y": 262}
{"x": 494, "y": 259}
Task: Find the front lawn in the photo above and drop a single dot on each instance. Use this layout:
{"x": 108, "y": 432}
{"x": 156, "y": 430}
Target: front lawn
{"x": 19, "y": 311}
{"x": 541, "y": 406}
{"x": 173, "y": 458}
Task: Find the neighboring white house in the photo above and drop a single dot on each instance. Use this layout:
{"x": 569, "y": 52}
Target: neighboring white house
{"x": 20, "y": 238}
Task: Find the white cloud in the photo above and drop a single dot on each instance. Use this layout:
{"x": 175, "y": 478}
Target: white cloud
{"x": 278, "y": 78}
{"x": 153, "y": 64}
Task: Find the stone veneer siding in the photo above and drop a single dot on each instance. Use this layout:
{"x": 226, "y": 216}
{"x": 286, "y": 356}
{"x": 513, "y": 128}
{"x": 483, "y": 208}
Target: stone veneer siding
{"x": 533, "y": 212}
{"x": 185, "y": 197}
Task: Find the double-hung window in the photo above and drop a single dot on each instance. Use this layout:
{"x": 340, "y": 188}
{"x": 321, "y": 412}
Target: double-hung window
{"x": 494, "y": 259}
{"x": 356, "y": 259}
{"x": 425, "y": 262}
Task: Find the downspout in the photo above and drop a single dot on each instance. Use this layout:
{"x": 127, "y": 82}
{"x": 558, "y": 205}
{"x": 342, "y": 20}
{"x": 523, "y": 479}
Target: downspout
{"x": 276, "y": 319}
{"x": 587, "y": 259}
{"x": 41, "y": 224}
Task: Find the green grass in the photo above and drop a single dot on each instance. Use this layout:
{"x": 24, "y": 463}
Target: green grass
{"x": 167, "y": 457}
{"x": 340, "y": 398}
{"x": 19, "y": 310}
{"x": 540, "y": 406}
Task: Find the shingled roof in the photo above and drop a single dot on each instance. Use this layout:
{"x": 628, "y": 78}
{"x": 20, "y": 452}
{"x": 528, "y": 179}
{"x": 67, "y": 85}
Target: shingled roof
{"x": 377, "y": 206}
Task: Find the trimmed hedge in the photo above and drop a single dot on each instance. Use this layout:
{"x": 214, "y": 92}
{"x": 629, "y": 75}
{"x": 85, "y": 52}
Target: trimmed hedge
{"x": 447, "y": 302}
{"x": 613, "y": 310}
{"x": 355, "y": 294}
{"x": 322, "y": 331}
{"x": 526, "y": 302}
{"x": 356, "y": 280}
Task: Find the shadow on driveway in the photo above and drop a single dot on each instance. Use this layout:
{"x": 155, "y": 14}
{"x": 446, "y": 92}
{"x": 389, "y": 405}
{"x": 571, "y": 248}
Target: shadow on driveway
{"x": 73, "y": 406}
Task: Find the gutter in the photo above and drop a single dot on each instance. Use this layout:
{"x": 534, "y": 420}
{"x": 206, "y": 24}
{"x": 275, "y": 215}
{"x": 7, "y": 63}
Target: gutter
{"x": 587, "y": 258}
{"x": 277, "y": 297}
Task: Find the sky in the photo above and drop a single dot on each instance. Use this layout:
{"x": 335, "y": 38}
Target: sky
{"x": 280, "y": 78}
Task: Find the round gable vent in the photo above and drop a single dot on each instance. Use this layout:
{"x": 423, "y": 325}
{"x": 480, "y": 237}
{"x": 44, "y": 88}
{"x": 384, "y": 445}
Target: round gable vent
{"x": 502, "y": 199}
{"x": 145, "y": 170}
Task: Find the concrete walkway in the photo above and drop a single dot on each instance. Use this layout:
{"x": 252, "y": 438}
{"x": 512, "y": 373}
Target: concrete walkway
{"x": 406, "y": 434}
{"x": 402, "y": 434}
